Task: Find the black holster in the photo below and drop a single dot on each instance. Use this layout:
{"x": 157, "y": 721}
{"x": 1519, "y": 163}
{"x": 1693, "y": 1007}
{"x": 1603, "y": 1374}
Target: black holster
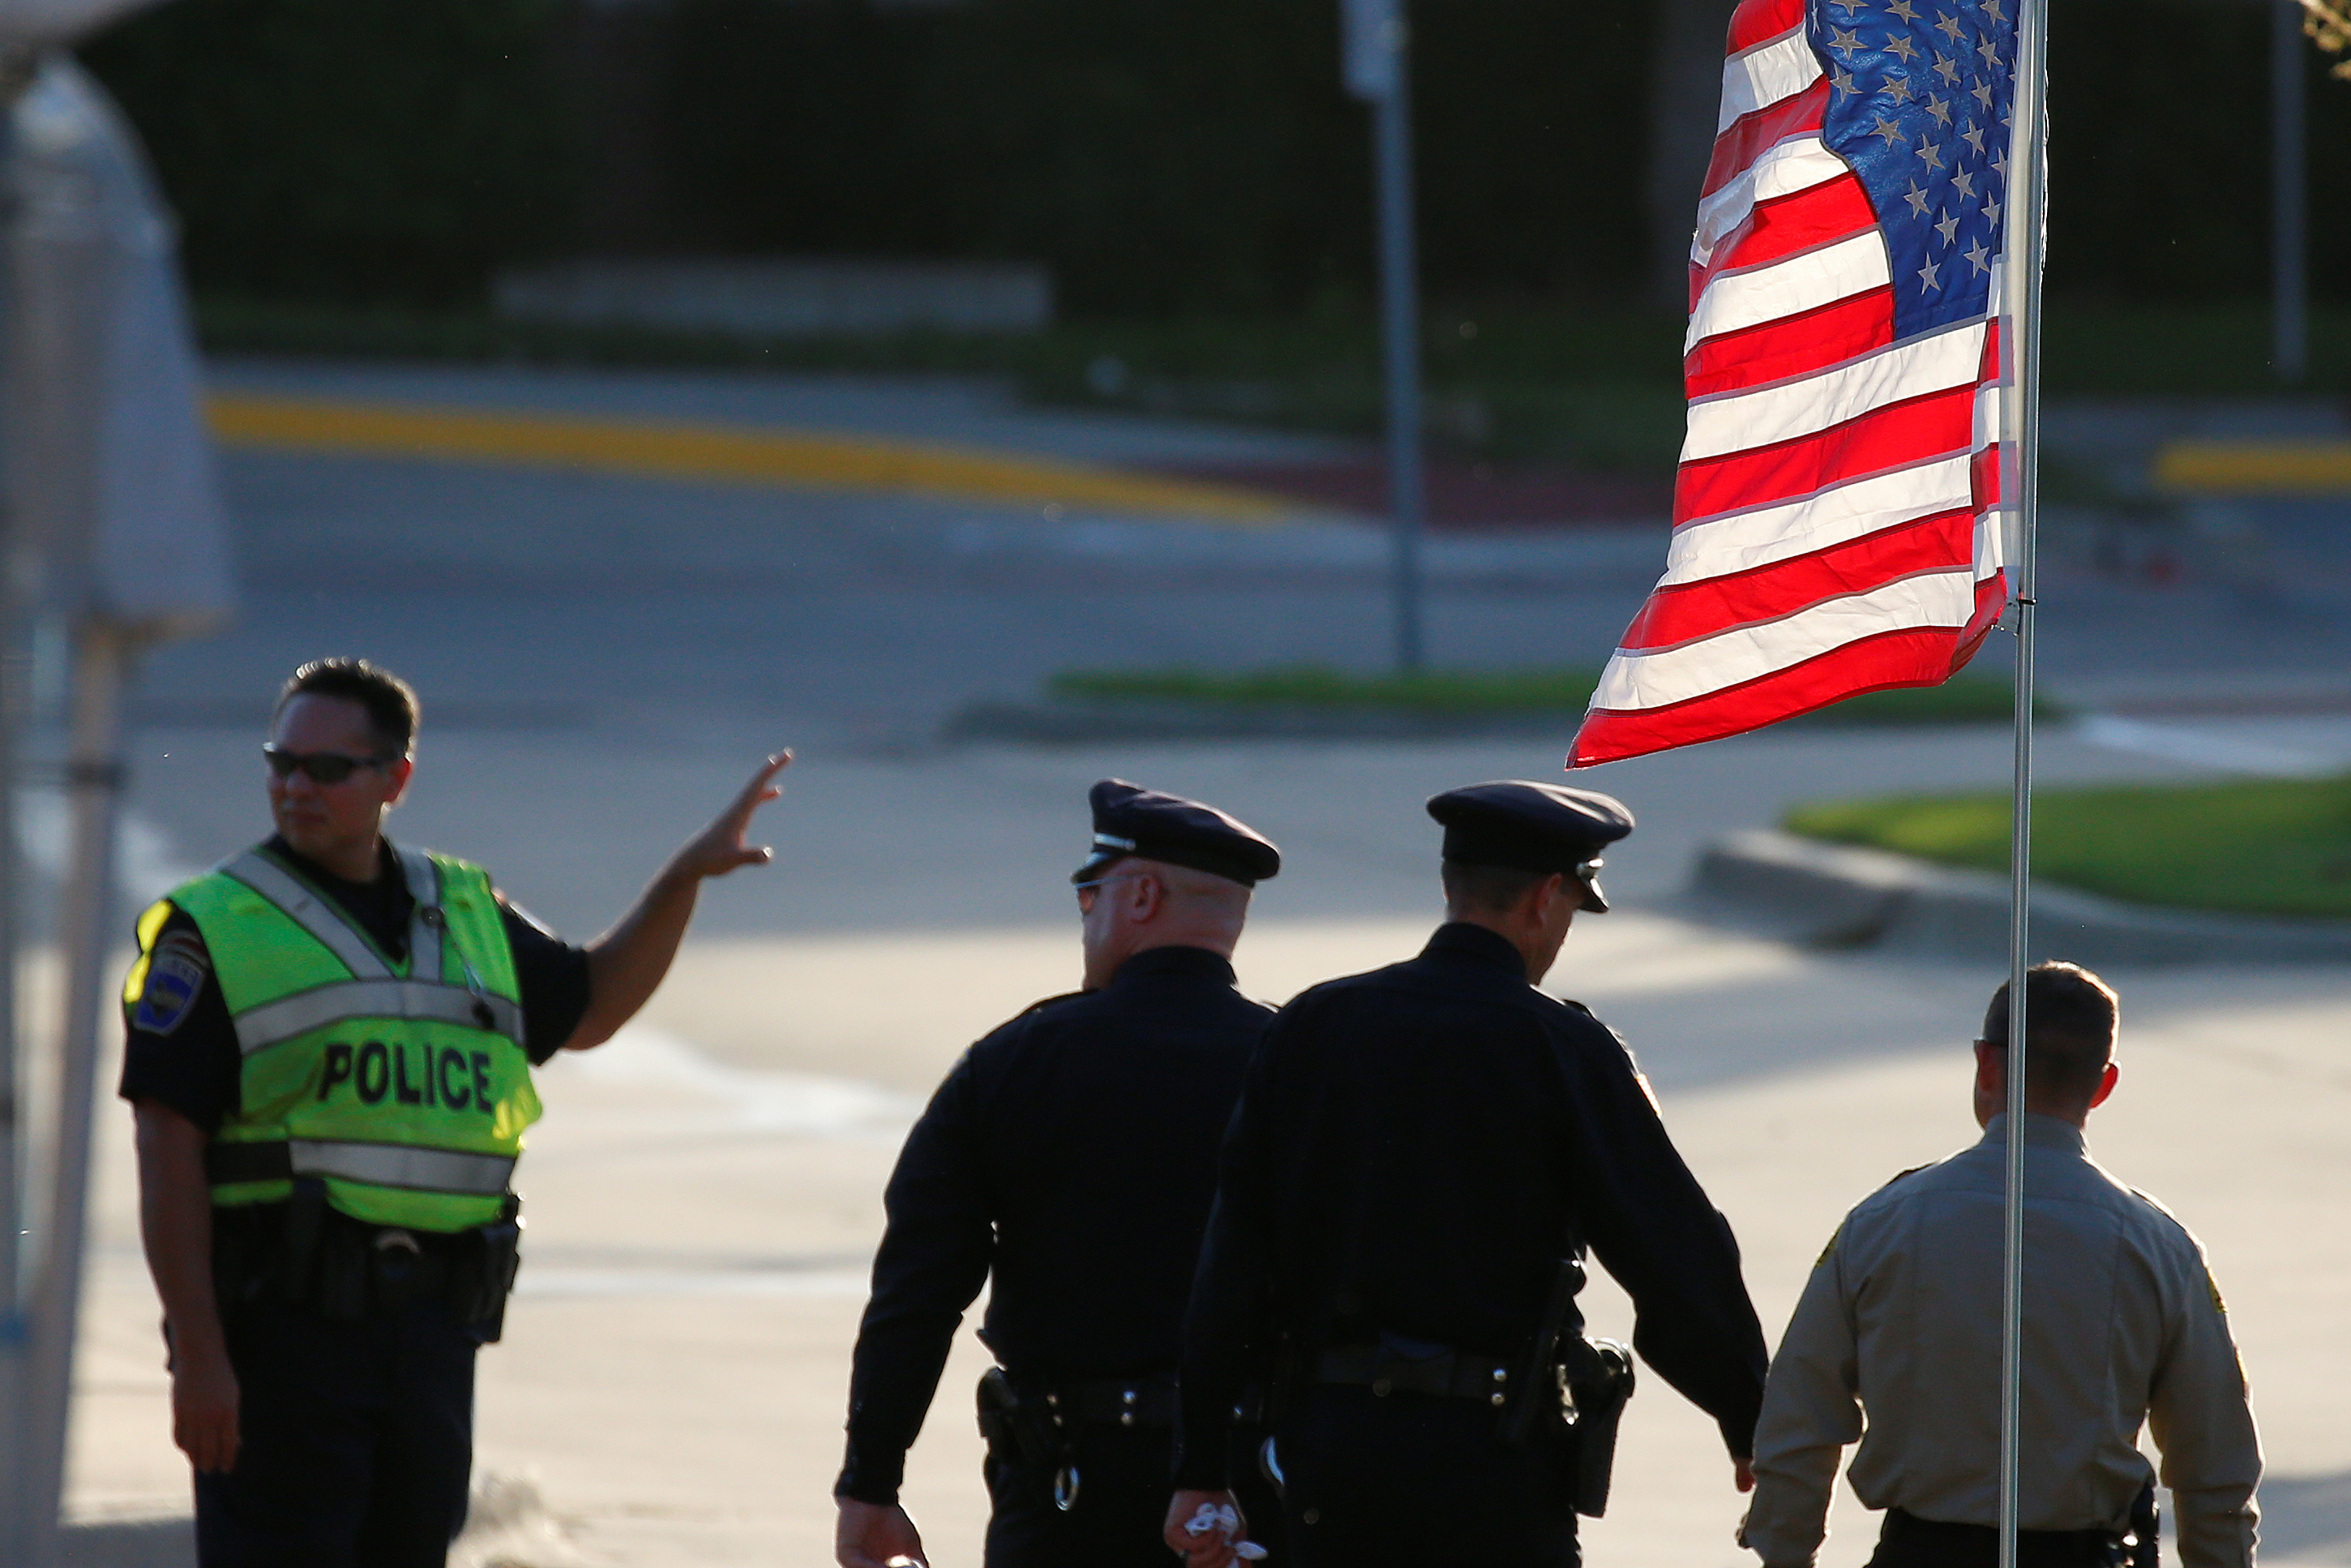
{"x": 480, "y": 1287}
{"x": 1569, "y": 1394}
{"x": 1599, "y": 1376}
{"x": 1023, "y": 1435}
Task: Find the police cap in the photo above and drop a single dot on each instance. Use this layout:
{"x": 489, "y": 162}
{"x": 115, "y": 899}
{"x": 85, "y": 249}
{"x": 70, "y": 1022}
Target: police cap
{"x": 1132, "y": 820}
{"x": 1526, "y": 826}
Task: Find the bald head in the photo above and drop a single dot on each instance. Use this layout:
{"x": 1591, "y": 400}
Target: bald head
{"x": 1140, "y": 904}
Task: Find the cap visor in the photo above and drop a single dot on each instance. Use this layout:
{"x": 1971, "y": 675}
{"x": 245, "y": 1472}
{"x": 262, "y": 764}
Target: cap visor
{"x": 1096, "y": 863}
{"x": 1594, "y": 900}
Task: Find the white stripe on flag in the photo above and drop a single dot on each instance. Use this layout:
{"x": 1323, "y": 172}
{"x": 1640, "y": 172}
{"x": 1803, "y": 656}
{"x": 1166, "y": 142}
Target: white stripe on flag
{"x": 1656, "y": 678}
{"x": 1989, "y": 414}
{"x": 1773, "y": 70}
{"x": 1991, "y": 541}
{"x": 1737, "y": 422}
{"x": 1782, "y": 168}
{"x": 1741, "y": 541}
{"x": 1790, "y": 285}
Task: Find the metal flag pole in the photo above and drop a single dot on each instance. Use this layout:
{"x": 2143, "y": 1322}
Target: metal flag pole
{"x": 2021, "y": 286}
{"x": 1377, "y": 71}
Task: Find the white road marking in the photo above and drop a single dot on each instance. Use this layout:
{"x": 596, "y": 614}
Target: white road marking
{"x": 2208, "y": 746}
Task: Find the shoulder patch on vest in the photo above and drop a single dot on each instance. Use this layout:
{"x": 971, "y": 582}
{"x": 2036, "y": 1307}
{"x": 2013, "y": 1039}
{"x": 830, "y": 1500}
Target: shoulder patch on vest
{"x": 176, "y": 971}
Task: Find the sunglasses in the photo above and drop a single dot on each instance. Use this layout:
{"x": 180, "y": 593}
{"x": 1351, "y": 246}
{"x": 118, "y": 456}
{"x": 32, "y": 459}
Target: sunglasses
{"x": 323, "y": 767}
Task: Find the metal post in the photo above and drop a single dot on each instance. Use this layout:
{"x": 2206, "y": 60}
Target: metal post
{"x": 94, "y": 786}
{"x": 2290, "y": 193}
{"x": 2020, "y": 287}
{"x": 18, "y": 66}
{"x": 1400, "y": 310}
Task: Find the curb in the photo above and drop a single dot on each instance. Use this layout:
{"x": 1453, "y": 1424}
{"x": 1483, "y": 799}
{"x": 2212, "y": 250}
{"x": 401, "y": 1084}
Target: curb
{"x": 1836, "y": 896}
{"x": 167, "y": 1543}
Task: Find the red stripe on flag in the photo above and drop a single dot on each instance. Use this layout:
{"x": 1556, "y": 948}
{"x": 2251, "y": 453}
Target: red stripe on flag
{"x": 1915, "y": 657}
{"x": 1991, "y": 604}
{"x": 1791, "y": 346}
{"x": 1756, "y": 20}
{"x": 1691, "y": 611}
{"x": 1745, "y": 140}
{"x": 1797, "y": 221}
{"x": 1983, "y": 477}
{"x": 1894, "y": 436}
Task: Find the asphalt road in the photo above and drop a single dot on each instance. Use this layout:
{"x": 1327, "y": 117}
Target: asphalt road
{"x": 604, "y": 658}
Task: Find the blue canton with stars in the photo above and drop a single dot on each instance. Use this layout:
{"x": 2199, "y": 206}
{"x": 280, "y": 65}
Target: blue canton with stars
{"x": 1918, "y": 104}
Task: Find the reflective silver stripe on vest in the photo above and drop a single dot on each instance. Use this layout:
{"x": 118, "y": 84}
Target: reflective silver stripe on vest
{"x": 424, "y": 928}
{"x": 397, "y": 1164}
{"x": 266, "y": 1025}
{"x": 308, "y": 911}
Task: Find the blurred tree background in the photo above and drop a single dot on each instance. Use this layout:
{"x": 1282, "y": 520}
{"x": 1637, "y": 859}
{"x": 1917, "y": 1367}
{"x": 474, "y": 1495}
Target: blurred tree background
{"x": 1174, "y": 162}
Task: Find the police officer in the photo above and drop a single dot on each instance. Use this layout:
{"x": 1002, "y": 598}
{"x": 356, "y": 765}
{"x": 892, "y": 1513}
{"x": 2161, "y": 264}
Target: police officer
{"x": 1421, "y": 1156}
{"x": 1071, "y": 1155}
{"x": 2123, "y": 1327}
{"x": 331, "y": 1039}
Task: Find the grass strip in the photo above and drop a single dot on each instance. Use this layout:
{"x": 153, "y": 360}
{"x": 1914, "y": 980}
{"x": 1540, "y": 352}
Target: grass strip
{"x": 1568, "y": 689}
{"x": 2269, "y": 847}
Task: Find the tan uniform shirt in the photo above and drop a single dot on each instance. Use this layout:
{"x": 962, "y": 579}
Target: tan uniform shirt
{"x": 1902, "y": 1319}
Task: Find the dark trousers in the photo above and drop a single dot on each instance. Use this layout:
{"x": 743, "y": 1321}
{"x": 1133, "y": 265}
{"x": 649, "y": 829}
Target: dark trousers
{"x": 1124, "y": 1482}
{"x": 1416, "y": 1482}
{"x": 1905, "y": 1541}
{"x": 356, "y": 1441}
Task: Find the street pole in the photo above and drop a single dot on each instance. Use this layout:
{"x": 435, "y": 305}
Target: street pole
{"x": 94, "y": 786}
{"x": 16, "y": 71}
{"x": 1378, "y": 70}
{"x": 1400, "y": 300}
{"x": 2290, "y": 194}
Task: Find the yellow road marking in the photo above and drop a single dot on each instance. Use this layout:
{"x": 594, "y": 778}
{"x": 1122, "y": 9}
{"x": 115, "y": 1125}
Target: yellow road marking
{"x": 676, "y": 450}
{"x": 2257, "y": 467}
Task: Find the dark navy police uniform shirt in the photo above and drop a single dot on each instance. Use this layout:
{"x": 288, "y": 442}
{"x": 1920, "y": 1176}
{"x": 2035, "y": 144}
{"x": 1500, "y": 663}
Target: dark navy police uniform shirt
{"x": 1073, "y": 1152}
{"x": 180, "y": 1046}
{"x": 1416, "y": 1150}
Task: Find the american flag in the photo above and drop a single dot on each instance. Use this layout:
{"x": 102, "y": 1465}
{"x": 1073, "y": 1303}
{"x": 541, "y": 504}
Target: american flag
{"x": 1837, "y": 510}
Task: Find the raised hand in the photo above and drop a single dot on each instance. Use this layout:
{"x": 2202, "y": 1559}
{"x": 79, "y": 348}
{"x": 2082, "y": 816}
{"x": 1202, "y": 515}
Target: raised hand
{"x": 720, "y": 847}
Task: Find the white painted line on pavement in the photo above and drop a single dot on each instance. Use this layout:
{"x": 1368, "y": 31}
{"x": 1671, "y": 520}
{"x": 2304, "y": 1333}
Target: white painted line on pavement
{"x": 748, "y": 1099}
{"x": 2205, "y": 747}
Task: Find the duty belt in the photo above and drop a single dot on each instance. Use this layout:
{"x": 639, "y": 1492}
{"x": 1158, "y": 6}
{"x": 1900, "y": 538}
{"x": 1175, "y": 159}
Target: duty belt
{"x": 1146, "y": 1401}
{"x": 2034, "y": 1548}
{"x": 1385, "y": 1369}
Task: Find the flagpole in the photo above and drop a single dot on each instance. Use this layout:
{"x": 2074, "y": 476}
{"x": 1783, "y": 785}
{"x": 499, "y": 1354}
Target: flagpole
{"x": 2021, "y": 286}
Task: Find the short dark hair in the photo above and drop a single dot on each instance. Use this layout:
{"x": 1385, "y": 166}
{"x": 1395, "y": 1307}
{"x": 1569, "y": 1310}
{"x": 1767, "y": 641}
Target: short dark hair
{"x": 1492, "y": 889}
{"x": 390, "y": 703}
{"x": 2069, "y": 1019}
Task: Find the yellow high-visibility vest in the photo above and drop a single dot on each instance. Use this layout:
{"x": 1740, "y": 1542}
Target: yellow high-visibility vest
{"x": 404, "y": 1087}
